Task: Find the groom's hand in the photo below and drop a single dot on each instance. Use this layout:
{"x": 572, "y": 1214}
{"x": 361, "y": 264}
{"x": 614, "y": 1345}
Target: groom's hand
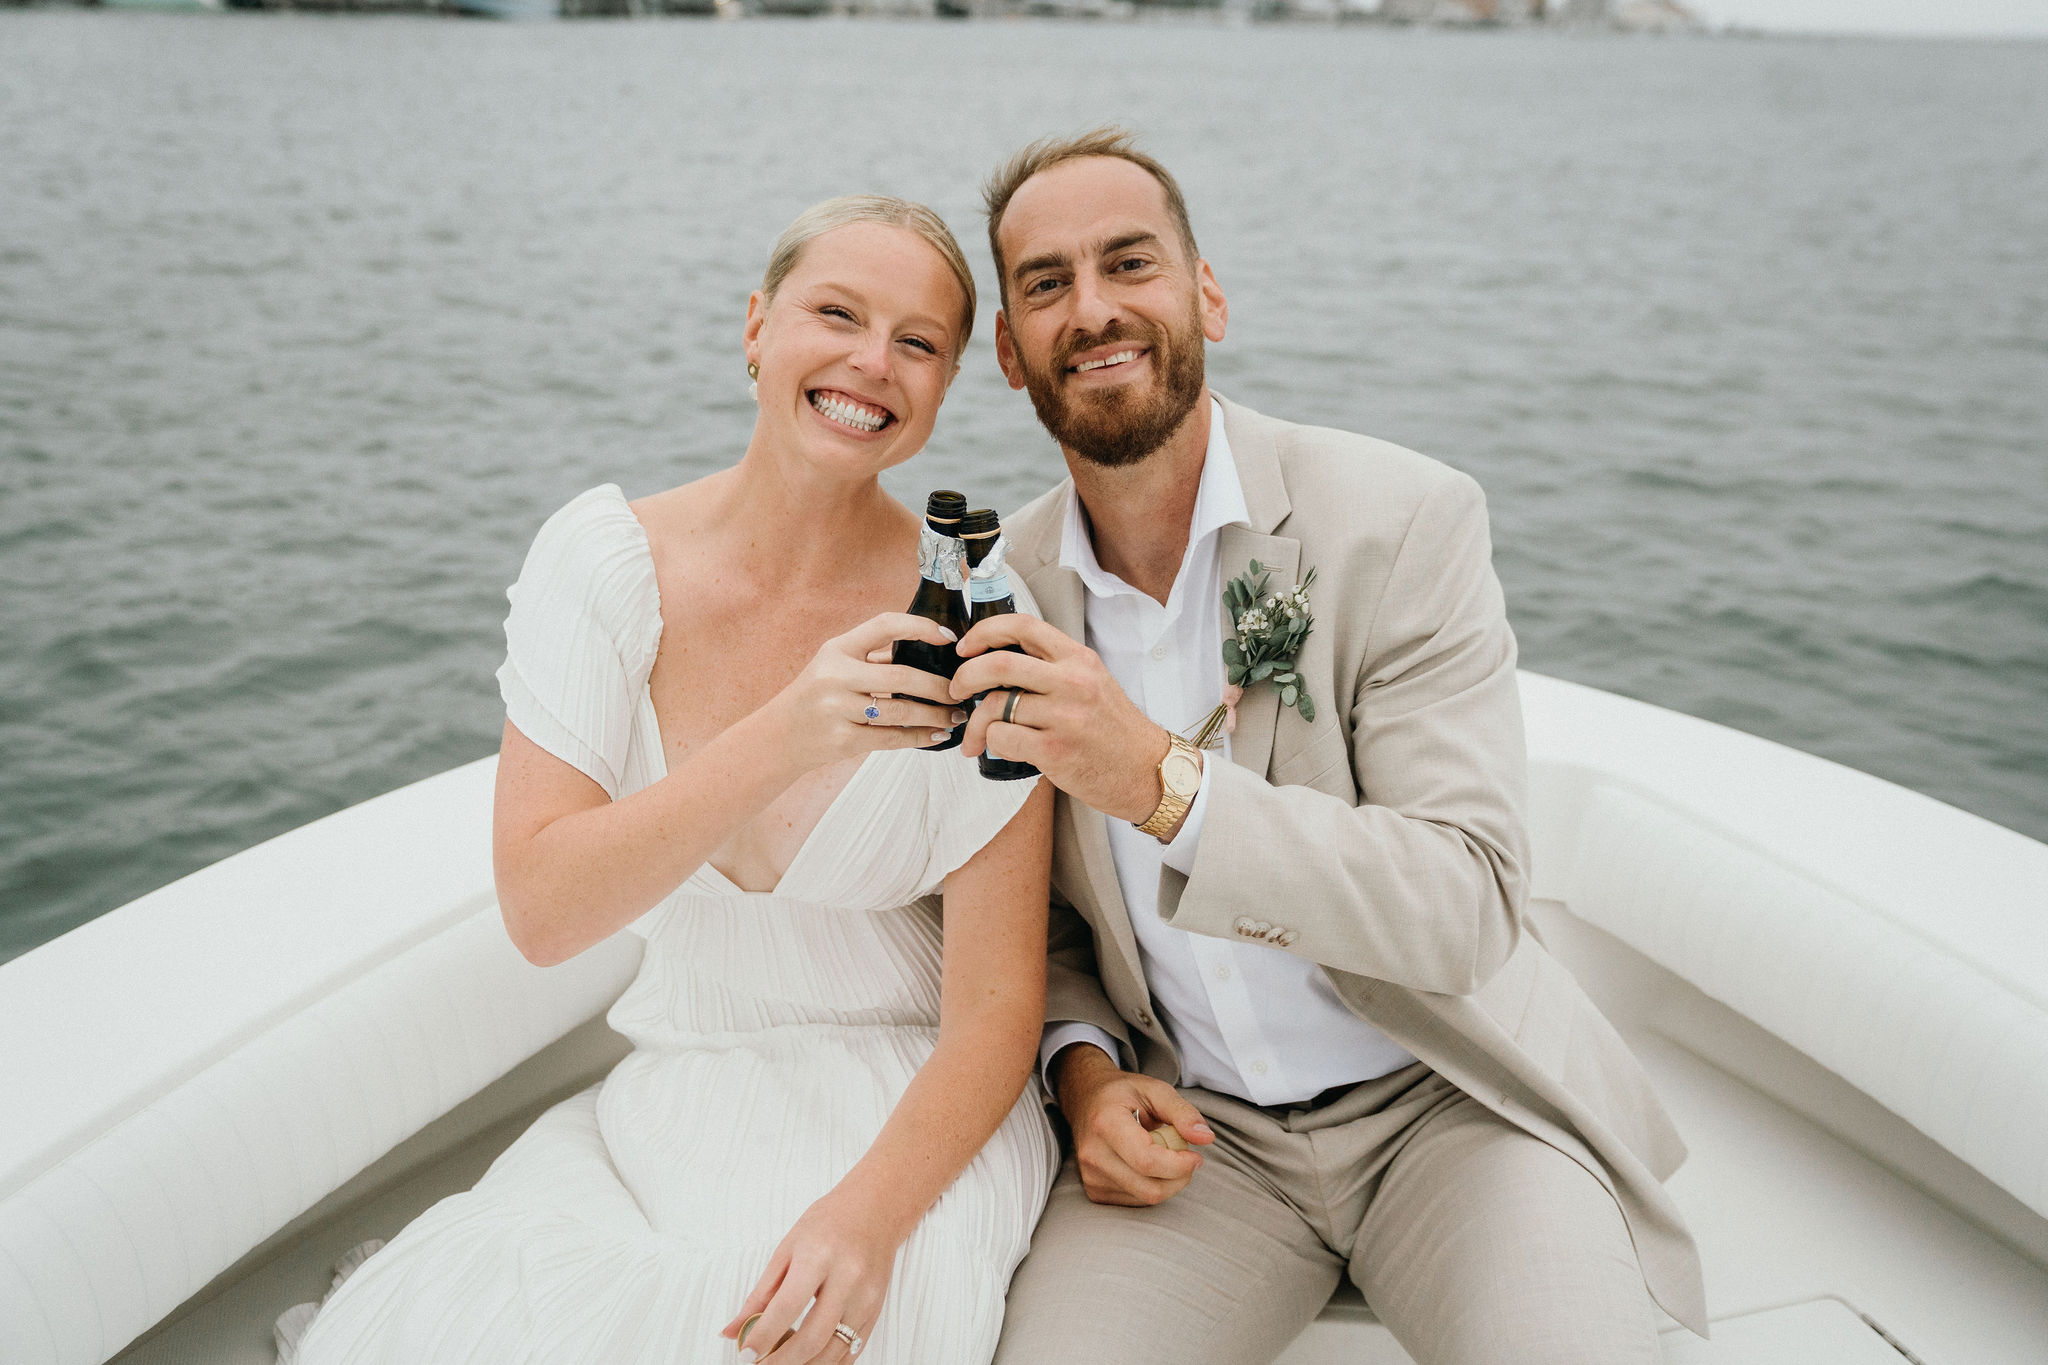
{"x": 1112, "y": 1113}
{"x": 1072, "y": 721}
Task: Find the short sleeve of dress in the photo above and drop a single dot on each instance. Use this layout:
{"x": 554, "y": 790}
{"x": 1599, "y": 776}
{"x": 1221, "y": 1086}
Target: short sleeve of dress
{"x": 581, "y": 635}
{"x": 964, "y": 809}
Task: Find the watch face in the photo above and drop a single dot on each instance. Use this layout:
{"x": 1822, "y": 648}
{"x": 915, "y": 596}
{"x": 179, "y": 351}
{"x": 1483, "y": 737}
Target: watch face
{"x": 1181, "y": 774}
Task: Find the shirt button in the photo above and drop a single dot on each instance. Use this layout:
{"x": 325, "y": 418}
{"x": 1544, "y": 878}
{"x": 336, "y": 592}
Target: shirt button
{"x": 1258, "y": 1068}
{"x": 1144, "y": 1019}
{"x": 1159, "y": 651}
{"x": 1223, "y": 971}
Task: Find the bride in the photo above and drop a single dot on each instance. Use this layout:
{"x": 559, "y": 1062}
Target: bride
{"x": 825, "y": 1118}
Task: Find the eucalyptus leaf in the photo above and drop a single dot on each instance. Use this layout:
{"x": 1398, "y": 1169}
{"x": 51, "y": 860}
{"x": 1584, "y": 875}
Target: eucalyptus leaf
{"x": 1263, "y": 671}
{"x": 1286, "y": 678}
{"x": 1307, "y": 708}
{"x": 1288, "y": 694}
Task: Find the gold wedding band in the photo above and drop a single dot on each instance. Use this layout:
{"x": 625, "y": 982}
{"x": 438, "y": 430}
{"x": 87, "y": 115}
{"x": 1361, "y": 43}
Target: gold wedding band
{"x": 850, "y": 1337}
{"x": 1010, "y": 706}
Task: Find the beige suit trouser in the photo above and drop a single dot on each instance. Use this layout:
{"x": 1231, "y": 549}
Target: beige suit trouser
{"x": 1475, "y": 1243}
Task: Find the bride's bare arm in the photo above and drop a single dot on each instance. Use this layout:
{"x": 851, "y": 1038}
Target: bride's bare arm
{"x": 573, "y": 867}
{"x": 992, "y": 1001}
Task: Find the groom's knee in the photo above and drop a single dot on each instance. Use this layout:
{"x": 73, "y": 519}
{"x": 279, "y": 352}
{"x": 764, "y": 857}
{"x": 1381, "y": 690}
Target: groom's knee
{"x": 1222, "y": 1272}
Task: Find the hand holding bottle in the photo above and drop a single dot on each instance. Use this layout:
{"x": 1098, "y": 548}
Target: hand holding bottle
{"x": 845, "y": 703}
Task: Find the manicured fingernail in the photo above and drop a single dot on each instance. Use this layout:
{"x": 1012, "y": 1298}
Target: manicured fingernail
{"x": 959, "y": 717}
{"x": 941, "y": 736}
{"x": 951, "y": 638}
{"x": 1204, "y": 1129}
{"x": 747, "y": 1356}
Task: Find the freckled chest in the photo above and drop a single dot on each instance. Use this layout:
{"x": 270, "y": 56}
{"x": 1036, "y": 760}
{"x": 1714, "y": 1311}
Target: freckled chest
{"x": 729, "y": 644}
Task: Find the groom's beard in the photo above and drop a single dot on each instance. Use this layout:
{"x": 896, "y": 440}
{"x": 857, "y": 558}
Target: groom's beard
{"x": 1122, "y": 425}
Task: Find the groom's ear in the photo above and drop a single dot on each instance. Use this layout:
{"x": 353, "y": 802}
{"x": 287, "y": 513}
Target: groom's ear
{"x": 1215, "y": 308}
{"x": 1006, "y": 352}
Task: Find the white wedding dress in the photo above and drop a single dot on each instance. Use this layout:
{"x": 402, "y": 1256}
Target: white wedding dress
{"x": 772, "y": 1034}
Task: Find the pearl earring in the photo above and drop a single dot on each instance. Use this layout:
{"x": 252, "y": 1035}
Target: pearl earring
{"x": 753, "y": 389}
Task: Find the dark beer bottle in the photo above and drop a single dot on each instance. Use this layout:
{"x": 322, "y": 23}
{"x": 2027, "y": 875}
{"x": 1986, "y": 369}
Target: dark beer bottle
{"x": 940, "y": 596}
{"x": 988, "y": 592}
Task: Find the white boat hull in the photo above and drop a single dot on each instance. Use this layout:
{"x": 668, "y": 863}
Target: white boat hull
{"x": 1840, "y": 988}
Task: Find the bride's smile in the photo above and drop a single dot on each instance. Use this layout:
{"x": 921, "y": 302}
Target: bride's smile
{"x": 846, "y": 410}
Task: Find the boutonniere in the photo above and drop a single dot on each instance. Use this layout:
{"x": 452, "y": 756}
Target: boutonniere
{"x": 1268, "y": 629}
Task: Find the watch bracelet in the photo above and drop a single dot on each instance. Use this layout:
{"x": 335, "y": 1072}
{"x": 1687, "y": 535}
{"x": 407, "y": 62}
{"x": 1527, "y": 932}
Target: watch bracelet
{"x": 1171, "y": 807}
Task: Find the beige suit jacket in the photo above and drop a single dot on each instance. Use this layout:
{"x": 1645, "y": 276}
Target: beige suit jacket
{"x": 1388, "y": 834}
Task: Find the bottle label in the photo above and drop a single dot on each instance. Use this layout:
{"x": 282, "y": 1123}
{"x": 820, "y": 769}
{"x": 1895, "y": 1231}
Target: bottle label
{"x": 989, "y": 581}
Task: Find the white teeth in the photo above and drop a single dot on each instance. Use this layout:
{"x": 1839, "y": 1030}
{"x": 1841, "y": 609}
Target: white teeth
{"x": 1119, "y": 358}
{"x": 847, "y": 414}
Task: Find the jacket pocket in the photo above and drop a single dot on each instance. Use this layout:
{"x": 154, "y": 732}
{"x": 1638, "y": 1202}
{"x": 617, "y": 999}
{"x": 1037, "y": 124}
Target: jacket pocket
{"x": 1310, "y": 764}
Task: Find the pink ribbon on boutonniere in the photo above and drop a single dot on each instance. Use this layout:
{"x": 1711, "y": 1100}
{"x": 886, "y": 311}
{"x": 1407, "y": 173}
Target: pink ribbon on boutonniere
{"x": 1232, "y": 695}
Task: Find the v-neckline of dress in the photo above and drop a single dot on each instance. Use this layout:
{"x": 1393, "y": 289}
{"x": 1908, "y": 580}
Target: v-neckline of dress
{"x": 802, "y": 850}
{"x": 661, "y": 743}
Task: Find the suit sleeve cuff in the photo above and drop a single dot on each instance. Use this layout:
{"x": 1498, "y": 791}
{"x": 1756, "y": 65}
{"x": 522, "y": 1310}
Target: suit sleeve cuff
{"x": 1065, "y": 1033}
{"x": 1180, "y": 853}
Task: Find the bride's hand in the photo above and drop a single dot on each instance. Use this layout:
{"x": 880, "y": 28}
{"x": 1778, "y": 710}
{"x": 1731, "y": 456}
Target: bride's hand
{"x": 842, "y": 704}
{"x": 838, "y": 1257}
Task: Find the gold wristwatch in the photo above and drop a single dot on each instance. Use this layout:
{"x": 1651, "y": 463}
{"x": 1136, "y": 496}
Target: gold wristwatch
{"x": 1180, "y": 777}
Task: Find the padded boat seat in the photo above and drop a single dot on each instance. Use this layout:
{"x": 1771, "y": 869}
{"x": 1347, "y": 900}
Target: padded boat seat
{"x": 1899, "y": 942}
{"x": 263, "y": 1031}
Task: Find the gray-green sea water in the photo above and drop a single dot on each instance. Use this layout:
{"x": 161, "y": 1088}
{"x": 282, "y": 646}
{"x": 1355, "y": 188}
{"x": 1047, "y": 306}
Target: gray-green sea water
{"x": 307, "y": 322}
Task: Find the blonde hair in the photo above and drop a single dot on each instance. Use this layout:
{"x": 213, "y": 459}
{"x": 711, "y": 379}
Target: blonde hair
{"x": 819, "y": 219}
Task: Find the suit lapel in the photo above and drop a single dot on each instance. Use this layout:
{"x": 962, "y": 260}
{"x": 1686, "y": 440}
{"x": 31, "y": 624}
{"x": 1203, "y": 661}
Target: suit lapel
{"x": 1257, "y": 457}
{"x": 1258, "y": 715}
{"x": 1062, "y": 601}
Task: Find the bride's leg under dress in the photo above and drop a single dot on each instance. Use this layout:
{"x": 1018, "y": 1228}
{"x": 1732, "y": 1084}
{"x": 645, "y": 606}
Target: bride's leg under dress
{"x": 551, "y": 1257}
{"x": 547, "y": 1258}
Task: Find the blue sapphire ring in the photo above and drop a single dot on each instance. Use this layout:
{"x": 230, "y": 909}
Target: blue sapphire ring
{"x": 873, "y": 713}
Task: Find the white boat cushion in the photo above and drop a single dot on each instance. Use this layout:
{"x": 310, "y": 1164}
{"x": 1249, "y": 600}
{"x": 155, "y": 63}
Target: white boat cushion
{"x": 100, "y": 1245}
{"x": 1901, "y": 943}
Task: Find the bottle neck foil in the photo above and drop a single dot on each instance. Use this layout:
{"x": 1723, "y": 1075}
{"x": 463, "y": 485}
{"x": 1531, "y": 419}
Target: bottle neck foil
{"x": 942, "y": 559}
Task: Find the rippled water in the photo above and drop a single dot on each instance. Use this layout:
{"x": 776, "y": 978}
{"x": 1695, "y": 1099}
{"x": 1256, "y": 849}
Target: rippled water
{"x": 305, "y": 324}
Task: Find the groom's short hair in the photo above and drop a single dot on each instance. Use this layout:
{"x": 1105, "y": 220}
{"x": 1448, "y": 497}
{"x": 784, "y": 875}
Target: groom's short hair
{"x": 1049, "y": 152}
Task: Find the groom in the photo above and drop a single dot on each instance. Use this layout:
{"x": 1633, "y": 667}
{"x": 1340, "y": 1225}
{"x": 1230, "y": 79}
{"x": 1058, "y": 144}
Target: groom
{"x": 1305, "y": 950}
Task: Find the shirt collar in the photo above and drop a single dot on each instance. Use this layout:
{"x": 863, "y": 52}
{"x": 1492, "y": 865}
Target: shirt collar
{"x": 1219, "y": 502}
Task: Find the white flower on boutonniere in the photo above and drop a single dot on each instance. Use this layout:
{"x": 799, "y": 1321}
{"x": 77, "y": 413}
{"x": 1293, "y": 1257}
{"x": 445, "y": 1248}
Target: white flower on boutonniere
{"x": 1267, "y": 631}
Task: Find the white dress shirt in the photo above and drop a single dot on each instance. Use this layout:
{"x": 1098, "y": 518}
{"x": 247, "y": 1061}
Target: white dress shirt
{"x": 1249, "y": 1020}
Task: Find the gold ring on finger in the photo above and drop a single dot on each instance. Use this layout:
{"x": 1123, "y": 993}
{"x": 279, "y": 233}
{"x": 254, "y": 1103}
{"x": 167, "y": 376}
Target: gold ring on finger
{"x": 1010, "y": 707}
{"x": 852, "y": 1339}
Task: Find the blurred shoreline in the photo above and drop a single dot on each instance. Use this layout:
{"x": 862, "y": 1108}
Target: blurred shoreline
{"x": 1620, "y": 16}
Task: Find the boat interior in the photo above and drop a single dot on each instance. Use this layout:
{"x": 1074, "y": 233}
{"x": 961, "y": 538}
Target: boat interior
{"x": 1840, "y": 989}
